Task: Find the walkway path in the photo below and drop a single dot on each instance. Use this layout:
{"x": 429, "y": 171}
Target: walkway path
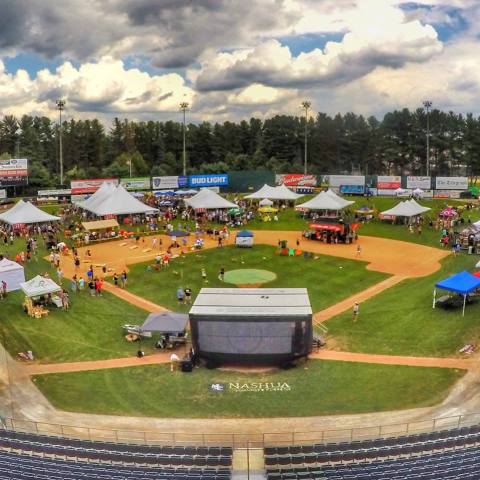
{"x": 358, "y": 297}
{"x": 164, "y": 357}
{"x": 133, "y": 299}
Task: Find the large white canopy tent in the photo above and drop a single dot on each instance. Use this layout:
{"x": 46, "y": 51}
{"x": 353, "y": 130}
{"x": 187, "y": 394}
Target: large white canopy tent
{"x": 324, "y": 201}
{"x": 118, "y": 202}
{"x": 265, "y": 192}
{"x": 265, "y": 202}
{"x": 274, "y": 193}
{"x": 105, "y": 190}
{"x": 12, "y": 274}
{"x": 25, "y": 212}
{"x": 38, "y": 286}
{"x": 209, "y": 200}
{"x": 340, "y": 200}
{"x": 407, "y": 208}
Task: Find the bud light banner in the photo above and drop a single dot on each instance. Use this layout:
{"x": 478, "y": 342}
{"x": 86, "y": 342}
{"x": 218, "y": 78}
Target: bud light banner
{"x": 296, "y": 180}
{"x": 213, "y": 180}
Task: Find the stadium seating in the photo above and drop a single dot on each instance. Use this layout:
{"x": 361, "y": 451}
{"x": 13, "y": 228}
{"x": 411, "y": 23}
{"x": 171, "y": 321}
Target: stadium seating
{"x": 445, "y": 454}
{"x": 33, "y": 456}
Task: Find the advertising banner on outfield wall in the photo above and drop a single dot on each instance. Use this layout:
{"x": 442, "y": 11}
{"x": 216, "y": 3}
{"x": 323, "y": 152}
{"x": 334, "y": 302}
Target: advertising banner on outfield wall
{"x": 13, "y": 172}
{"x": 296, "y": 180}
{"x": 389, "y": 182}
{"x": 386, "y": 192}
{"x": 91, "y": 185}
{"x": 168, "y": 182}
{"x": 451, "y": 183}
{"x": 337, "y": 180}
{"x": 352, "y": 189}
{"x": 419, "y": 182}
{"x": 136, "y": 183}
{"x": 208, "y": 180}
{"x": 54, "y": 193}
{"x": 446, "y": 194}
{"x": 3, "y": 194}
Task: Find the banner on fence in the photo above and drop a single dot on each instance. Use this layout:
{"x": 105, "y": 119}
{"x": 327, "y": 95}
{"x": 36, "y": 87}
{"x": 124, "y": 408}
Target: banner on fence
{"x": 90, "y": 185}
{"x": 54, "y": 193}
{"x": 419, "y": 182}
{"x": 389, "y": 182}
{"x": 338, "y": 180}
{"x": 451, "y": 183}
{"x": 169, "y": 182}
{"x": 386, "y": 192}
{"x": 13, "y": 172}
{"x": 296, "y": 180}
{"x": 3, "y": 194}
{"x": 352, "y": 189}
{"x": 209, "y": 180}
{"x": 136, "y": 183}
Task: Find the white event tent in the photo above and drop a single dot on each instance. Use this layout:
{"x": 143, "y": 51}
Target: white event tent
{"x": 105, "y": 190}
{"x": 265, "y": 192}
{"x": 339, "y": 199}
{"x": 116, "y": 202}
{"x": 208, "y": 200}
{"x": 25, "y": 212}
{"x": 38, "y": 286}
{"x": 265, "y": 202}
{"x": 284, "y": 193}
{"x": 408, "y": 208}
{"x": 325, "y": 201}
{"x": 12, "y": 274}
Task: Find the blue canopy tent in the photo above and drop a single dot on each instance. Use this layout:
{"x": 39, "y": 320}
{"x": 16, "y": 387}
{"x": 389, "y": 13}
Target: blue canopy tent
{"x": 244, "y": 238}
{"x": 462, "y": 283}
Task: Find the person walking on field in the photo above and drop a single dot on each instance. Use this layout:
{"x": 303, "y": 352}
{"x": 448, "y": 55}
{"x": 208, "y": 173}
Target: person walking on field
{"x": 359, "y": 251}
{"x": 123, "y": 279}
{"x": 356, "y": 309}
{"x": 222, "y": 274}
{"x": 204, "y": 274}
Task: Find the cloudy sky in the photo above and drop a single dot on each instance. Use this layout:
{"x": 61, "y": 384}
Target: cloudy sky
{"x": 231, "y": 59}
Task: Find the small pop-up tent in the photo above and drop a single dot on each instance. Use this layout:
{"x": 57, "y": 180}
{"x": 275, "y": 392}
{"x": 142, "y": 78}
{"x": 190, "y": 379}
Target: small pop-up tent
{"x": 165, "y": 322}
{"x": 462, "y": 283}
{"x": 38, "y": 286}
{"x": 265, "y": 203}
{"x": 12, "y": 274}
{"x": 244, "y": 238}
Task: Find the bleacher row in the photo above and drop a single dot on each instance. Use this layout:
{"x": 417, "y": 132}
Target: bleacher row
{"x": 45, "y": 457}
{"x": 433, "y": 455}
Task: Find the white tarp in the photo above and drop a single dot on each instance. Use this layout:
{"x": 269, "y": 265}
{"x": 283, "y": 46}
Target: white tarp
{"x": 118, "y": 202}
{"x": 207, "y": 200}
{"x": 407, "y": 208}
{"x": 265, "y": 202}
{"x": 39, "y": 286}
{"x": 324, "y": 201}
{"x": 25, "y": 212}
{"x": 12, "y": 274}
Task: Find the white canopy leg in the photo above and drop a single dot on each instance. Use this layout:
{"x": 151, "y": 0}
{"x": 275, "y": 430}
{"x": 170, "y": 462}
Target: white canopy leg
{"x": 434, "y": 297}
{"x": 464, "y": 301}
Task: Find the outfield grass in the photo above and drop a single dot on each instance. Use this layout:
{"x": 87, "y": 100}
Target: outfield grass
{"x": 328, "y": 279}
{"x": 401, "y": 321}
{"x": 321, "y": 388}
{"x": 89, "y": 330}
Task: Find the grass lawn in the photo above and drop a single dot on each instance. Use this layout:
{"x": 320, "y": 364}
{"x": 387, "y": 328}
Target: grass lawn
{"x": 89, "y": 330}
{"x": 324, "y": 387}
{"x": 401, "y": 320}
{"x": 328, "y": 279}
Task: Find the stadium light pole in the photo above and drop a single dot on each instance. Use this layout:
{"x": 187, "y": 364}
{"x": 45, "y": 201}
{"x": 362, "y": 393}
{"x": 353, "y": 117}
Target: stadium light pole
{"x": 60, "y": 108}
{"x": 183, "y": 107}
{"x": 306, "y": 105}
{"x": 428, "y": 104}
{"x": 18, "y": 133}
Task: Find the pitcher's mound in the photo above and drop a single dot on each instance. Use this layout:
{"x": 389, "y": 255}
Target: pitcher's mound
{"x": 246, "y": 277}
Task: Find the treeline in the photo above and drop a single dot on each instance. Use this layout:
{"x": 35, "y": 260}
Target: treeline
{"x": 347, "y": 143}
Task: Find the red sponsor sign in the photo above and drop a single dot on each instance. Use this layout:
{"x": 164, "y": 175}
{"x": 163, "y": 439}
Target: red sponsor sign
{"x": 296, "y": 180}
{"x": 90, "y": 185}
{"x": 388, "y": 182}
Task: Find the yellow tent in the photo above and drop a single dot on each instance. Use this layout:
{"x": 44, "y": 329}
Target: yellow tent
{"x": 268, "y": 210}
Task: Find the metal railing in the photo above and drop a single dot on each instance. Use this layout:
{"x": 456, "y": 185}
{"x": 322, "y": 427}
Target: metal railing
{"x": 241, "y": 440}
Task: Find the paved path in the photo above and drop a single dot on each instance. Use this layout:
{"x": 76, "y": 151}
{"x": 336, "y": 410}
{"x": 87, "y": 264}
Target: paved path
{"x": 164, "y": 357}
{"x": 359, "y": 297}
{"x": 133, "y": 299}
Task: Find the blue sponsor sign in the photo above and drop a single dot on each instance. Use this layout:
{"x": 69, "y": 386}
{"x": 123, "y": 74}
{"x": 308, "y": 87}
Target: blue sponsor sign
{"x": 182, "y": 181}
{"x": 354, "y": 189}
{"x": 213, "y": 180}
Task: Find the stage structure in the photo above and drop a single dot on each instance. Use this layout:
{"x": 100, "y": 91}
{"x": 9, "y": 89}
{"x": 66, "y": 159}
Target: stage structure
{"x": 253, "y": 326}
